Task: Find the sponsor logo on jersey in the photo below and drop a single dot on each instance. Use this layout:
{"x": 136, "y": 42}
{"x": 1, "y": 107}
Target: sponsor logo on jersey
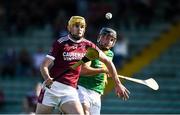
{"x": 69, "y": 56}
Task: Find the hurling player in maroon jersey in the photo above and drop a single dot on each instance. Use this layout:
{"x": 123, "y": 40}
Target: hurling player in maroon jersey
{"x": 65, "y": 52}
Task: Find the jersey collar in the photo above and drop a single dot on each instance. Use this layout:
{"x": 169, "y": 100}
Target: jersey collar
{"x": 76, "y": 41}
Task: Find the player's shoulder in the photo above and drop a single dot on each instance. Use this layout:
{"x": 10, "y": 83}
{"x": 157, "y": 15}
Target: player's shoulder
{"x": 88, "y": 42}
{"x": 62, "y": 39}
{"x": 110, "y": 53}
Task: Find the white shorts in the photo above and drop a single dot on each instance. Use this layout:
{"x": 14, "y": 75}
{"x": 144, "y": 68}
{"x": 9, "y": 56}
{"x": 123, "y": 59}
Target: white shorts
{"x": 58, "y": 94}
{"x": 91, "y": 98}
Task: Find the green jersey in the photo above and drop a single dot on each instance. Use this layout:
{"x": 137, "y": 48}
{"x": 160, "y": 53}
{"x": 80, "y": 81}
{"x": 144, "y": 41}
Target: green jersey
{"x": 96, "y": 82}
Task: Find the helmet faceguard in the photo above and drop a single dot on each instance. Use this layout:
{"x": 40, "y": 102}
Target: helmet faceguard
{"x": 106, "y": 32}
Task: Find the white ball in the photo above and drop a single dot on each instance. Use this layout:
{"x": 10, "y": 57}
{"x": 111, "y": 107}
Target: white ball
{"x": 108, "y": 15}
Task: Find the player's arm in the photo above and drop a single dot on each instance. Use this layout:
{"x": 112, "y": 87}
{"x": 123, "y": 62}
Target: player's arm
{"x": 87, "y": 70}
{"x": 47, "y": 62}
{"x": 110, "y": 66}
{"x": 119, "y": 88}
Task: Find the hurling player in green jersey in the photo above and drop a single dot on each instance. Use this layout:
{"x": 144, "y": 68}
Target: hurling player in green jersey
{"x": 94, "y": 74}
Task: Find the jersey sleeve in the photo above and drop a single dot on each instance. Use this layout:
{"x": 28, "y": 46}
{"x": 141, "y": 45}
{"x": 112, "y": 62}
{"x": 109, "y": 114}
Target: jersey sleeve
{"x": 54, "y": 50}
{"x": 94, "y": 46}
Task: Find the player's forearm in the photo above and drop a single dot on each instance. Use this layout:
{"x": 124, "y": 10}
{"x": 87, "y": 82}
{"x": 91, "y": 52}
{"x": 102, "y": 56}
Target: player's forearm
{"x": 112, "y": 71}
{"x": 110, "y": 66}
{"x": 44, "y": 68}
{"x": 44, "y": 72}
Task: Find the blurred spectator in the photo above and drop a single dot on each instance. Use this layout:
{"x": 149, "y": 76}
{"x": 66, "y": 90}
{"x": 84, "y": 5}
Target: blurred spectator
{"x": 9, "y": 62}
{"x": 30, "y": 100}
{"x": 120, "y": 51}
{"x": 38, "y": 57}
{"x": 25, "y": 64}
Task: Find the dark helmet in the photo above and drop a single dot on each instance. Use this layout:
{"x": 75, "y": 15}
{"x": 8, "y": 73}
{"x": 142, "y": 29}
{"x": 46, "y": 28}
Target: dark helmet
{"x": 106, "y": 31}
{"x": 109, "y": 31}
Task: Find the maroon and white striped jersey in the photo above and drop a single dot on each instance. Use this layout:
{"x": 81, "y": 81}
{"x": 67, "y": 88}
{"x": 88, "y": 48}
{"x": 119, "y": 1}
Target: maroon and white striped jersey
{"x": 66, "y": 52}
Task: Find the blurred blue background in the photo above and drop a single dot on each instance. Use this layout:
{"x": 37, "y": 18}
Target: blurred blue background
{"x": 28, "y": 28}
